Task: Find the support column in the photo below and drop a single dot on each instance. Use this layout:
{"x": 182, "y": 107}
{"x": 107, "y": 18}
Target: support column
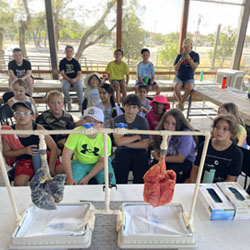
{"x": 240, "y": 39}
{"x": 119, "y": 24}
{"x": 184, "y": 20}
{"x": 51, "y": 37}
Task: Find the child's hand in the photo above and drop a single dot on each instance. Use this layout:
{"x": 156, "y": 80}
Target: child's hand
{"x": 84, "y": 181}
{"x": 71, "y": 181}
{"x": 31, "y": 150}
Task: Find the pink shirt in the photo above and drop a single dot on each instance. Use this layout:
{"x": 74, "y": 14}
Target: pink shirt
{"x": 153, "y": 121}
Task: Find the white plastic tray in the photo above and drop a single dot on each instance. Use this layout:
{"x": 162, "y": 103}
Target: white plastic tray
{"x": 66, "y": 227}
{"x": 160, "y": 227}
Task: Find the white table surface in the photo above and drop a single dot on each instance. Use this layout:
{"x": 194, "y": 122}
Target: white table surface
{"x": 210, "y": 235}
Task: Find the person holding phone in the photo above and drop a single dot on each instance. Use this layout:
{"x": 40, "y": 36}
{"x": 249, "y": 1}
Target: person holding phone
{"x": 185, "y": 64}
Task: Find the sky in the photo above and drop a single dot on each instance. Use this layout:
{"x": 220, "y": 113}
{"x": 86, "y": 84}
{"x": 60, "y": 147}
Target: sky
{"x": 164, "y": 16}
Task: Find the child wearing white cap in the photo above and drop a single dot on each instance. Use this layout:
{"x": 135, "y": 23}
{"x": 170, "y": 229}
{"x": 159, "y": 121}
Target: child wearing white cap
{"x": 92, "y": 82}
{"x": 88, "y": 150}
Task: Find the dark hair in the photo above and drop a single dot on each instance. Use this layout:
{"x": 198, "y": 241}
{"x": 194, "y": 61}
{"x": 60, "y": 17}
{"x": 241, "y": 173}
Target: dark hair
{"x": 143, "y": 86}
{"x": 69, "y": 46}
{"x": 118, "y": 50}
{"x": 232, "y": 109}
{"x": 108, "y": 88}
{"x": 181, "y": 124}
{"x": 145, "y": 50}
{"x": 132, "y": 99}
{"x": 232, "y": 122}
{"x": 17, "y": 50}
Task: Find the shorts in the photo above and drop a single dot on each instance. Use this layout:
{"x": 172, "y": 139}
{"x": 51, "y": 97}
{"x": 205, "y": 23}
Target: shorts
{"x": 25, "y": 166}
{"x": 176, "y": 79}
{"x": 149, "y": 84}
{"x": 119, "y": 81}
{"x": 80, "y": 170}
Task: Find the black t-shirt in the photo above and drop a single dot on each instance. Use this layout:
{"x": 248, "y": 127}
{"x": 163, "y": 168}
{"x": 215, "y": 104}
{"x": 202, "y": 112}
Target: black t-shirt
{"x": 140, "y": 123}
{"x": 226, "y": 162}
{"x": 185, "y": 71}
{"x": 27, "y": 141}
{"x": 70, "y": 67}
{"x": 19, "y": 71}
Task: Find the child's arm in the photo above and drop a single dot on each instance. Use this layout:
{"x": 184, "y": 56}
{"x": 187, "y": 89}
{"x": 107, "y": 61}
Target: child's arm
{"x": 12, "y": 75}
{"x": 179, "y": 158}
{"x": 66, "y": 160}
{"x": 142, "y": 144}
{"x": 54, "y": 151}
{"x": 8, "y": 152}
{"x": 95, "y": 170}
{"x": 231, "y": 178}
{"x": 34, "y": 104}
{"x": 28, "y": 74}
{"x": 78, "y": 76}
{"x": 193, "y": 175}
{"x": 121, "y": 140}
{"x": 10, "y": 103}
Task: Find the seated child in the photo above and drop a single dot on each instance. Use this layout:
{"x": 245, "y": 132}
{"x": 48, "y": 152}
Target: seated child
{"x": 20, "y": 149}
{"x": 56, "y": 118}
{"x": 181, "y": 149}
{"x": 145, "y": 106}
{"x": 160, "y": 105}
{"x": 231, "y": 108}
{"x": 88, "y": 150}
{"x": 131, "y": 152}
{"x": 19, "y": 90}
{"x": 223, "y": 154}
{"x": 116, "y": 70}
{"x": 19, "y": 68}
{"x": 146, "y": 74}
{"x": 92, "y": 81}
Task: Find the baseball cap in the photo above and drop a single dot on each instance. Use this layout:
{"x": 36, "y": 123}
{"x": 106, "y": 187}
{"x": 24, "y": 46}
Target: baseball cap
{"x": 95, "y": 113}
{"x": 24, "y": 104}
{"x": 86, "y": 80}
{"x": 160, "y": 99}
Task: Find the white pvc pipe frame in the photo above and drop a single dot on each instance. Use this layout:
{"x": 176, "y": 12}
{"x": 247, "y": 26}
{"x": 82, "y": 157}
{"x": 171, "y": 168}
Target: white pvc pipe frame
{"x": 105, "y": 132}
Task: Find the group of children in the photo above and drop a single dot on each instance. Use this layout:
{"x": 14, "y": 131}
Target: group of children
{"x": 83, "y": 155}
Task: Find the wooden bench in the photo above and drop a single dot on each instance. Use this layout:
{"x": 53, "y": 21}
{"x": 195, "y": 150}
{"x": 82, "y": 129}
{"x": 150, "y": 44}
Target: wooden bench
{"x": 45, "y": 86}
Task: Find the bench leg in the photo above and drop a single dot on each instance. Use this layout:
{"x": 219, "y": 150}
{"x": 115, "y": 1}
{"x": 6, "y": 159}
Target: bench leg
{"x": 189, "y": 105}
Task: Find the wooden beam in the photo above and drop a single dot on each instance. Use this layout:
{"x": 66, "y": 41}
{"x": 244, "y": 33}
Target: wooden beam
{"x": 51, "y": 36}
{"x": 184, "y": 20}
{"x": 242, "y": 29}
{"x": 119, "y": 24}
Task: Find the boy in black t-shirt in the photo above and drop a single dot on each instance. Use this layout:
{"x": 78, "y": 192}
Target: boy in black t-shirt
{"x": 131, "y": 152}
{"x": 20, "y": 68}
{"x": 72, "y": 77}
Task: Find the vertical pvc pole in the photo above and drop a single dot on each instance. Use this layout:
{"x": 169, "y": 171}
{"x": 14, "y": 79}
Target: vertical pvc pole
{"x": 198, "y": 180}
{"x": 106, "y": 172}
{"x": 7, "y": 183}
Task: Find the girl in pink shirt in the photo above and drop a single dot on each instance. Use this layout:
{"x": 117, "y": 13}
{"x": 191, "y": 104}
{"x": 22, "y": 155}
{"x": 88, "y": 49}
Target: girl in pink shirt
{"x": 159, "y": 104}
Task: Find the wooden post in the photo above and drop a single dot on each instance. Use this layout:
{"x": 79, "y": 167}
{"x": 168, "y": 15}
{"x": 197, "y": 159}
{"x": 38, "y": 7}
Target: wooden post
{"x": 239, "y": 42}
{"x": 184, "y": 20}
{"x": 52, "y": 40}
{"x": 119, "y": 24}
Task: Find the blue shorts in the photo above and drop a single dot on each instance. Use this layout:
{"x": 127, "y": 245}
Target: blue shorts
{"x": 176, "y": 79}
{"x": 119, "y": 81}
{"x": 80, "y": 170}
{"x": 149, "y": 79}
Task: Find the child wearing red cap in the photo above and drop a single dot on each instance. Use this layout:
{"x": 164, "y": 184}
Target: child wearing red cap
{"x": 159, "y": 104}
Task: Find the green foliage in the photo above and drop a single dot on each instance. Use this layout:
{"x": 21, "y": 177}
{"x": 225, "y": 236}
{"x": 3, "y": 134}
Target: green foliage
{"x": 225, "y": 45}
{"x": 168, "y": 53}
{"x": 133, "y": 36}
